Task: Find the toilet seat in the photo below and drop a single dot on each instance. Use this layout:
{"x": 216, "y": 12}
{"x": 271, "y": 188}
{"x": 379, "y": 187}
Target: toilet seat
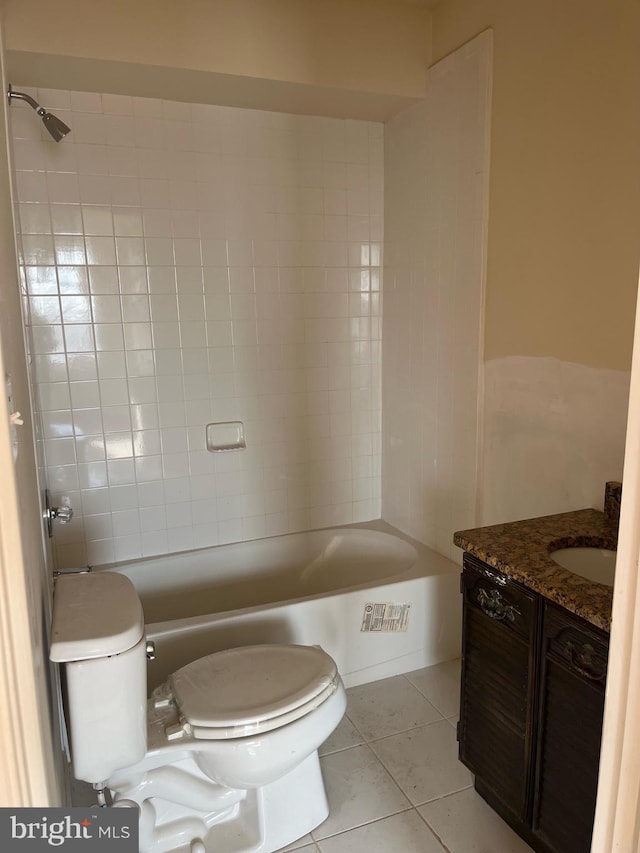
{"x": 252, "y": 689}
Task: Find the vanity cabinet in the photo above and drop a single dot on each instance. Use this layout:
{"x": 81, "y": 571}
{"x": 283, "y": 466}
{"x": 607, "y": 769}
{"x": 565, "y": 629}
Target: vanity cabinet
{"x": 532, "y": 700}
{"x": 500, "y": 628}
{"x": 572, "y": 684}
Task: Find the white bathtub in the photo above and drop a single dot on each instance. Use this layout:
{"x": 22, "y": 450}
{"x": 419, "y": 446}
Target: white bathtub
{"x": 310, "y": 588}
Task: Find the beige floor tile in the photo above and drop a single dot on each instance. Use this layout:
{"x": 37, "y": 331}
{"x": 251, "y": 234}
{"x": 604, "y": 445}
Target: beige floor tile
{"x": 359, "y": 790}
{"x": 402, "y": 833}
{"x": 424, "y": 762}
{"x": 389, "y": 706}
{"x": 440, "y": 684}
{"x": 465, "y": 824}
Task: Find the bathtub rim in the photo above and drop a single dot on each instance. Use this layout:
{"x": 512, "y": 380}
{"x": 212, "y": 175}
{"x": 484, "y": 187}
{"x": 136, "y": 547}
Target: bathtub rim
{"x": 377, "y": 525}
{"x": 420, "y": 568}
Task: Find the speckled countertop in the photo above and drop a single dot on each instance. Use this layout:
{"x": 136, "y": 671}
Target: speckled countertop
{"x": 521, "y": 549}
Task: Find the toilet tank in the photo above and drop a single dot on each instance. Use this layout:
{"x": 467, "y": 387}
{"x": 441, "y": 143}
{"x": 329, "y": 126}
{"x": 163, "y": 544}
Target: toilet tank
{"x": 97, "y": 632}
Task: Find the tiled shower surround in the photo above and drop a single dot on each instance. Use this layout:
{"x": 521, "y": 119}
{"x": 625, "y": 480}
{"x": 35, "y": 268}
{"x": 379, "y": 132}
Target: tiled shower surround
{"x": 186, "y": 264}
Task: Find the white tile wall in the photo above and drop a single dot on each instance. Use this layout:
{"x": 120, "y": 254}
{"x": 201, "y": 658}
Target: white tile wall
{"x": 436, "y": 162}
{"x": 185, "y": 264}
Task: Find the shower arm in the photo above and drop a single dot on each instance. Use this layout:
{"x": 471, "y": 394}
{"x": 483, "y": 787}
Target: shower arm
{"x": 55, "y": 126}
{"x": 22, "y": 96}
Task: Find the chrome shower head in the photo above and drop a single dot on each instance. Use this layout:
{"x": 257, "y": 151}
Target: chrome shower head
{"x": 55, "y": 126}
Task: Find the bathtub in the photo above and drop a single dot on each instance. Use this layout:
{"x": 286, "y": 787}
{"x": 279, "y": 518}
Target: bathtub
{"x": 377, "y": 601}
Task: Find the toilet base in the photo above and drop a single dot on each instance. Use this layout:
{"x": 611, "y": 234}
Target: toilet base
{"x": 275, "y": 815}
{"x": 262, "y": 820}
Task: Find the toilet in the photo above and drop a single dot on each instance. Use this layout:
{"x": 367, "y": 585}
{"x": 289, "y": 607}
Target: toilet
{"x": 224, "y": 755}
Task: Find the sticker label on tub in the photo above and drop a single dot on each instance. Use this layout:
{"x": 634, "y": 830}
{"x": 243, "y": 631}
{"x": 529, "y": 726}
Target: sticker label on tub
{"x": 385, "y": 617}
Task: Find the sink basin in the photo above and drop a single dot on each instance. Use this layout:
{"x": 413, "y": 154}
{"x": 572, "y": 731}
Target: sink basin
{"x": 594, "y": 564}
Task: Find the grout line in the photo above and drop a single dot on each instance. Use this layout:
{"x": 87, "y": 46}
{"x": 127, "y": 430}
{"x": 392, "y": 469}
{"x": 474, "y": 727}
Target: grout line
{"x": 351, "y": 720}
{"x": 318, "y": 843}
{"x": 407, "y": 731}
{"x": 402, "y": 793}
{"x": 443, "y": 796}
{"x": 432, "y": 830}
{"x": 366, "y": 740}
{"x": 364, "y": 823}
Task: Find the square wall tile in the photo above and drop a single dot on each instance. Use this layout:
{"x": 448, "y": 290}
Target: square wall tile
{"x": 153, "y": 278}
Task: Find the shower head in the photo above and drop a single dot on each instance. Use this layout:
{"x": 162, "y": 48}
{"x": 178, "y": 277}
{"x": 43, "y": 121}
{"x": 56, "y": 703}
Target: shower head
{"x": 56, "y": 127}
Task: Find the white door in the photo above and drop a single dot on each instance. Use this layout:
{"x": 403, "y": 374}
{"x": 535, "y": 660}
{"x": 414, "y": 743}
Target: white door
{"x": 30, "y": 761}
{"x": 617, "y": 828}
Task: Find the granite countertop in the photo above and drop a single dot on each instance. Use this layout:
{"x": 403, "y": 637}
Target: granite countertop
{"x": 521, "y": 549}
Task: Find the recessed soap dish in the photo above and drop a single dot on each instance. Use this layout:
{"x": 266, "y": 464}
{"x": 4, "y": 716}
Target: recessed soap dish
{"x": 225, "y": 435}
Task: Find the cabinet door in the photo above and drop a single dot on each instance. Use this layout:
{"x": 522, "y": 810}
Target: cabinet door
{"x": 572, "y": 682}
{"x": 500, "y": 627}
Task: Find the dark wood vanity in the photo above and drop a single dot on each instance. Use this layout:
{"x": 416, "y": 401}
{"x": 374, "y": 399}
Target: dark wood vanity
{"x": 532, "y": 701}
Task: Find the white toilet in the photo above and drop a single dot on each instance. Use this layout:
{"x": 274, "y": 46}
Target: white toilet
{"x": 223, "y": 757}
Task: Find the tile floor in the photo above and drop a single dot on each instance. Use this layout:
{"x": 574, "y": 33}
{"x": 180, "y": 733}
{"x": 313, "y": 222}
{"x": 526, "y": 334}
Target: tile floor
{"x": 393, "y": 778}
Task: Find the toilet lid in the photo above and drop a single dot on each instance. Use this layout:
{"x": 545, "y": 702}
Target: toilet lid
{"x": 242, "y": 689}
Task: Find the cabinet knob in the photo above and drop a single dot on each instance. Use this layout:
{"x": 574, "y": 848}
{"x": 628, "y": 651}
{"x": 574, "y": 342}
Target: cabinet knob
{"x": 585, "y": 660}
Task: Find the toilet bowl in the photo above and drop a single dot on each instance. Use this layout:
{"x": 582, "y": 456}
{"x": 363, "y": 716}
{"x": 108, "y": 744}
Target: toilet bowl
{"x": 223, "y": 756}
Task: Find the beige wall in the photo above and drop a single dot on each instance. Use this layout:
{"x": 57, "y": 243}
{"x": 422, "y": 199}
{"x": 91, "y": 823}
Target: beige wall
{"x": 565, "y": 206}
{"x": 366, "y": 46}
{"x": 564, "y": 220}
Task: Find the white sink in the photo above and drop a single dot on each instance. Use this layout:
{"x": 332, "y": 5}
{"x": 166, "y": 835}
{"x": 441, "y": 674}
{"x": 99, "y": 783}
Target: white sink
{"x": 594, "y": 564}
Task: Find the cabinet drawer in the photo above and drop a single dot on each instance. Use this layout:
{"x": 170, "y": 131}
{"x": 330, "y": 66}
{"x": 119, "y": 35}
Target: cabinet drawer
{"x": 496, "y": 596}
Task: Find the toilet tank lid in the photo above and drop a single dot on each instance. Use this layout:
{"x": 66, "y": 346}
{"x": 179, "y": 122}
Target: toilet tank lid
{"x": 94, "y": 615}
